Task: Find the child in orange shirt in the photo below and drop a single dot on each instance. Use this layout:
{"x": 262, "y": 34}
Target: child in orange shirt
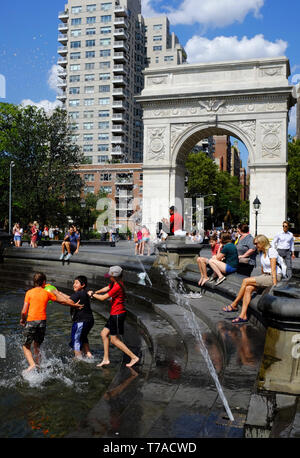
{"x": 33, "y": 316}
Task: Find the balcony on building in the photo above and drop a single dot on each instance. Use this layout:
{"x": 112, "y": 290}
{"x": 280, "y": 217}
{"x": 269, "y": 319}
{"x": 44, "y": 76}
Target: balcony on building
{"x": 121, "y": 33}
{"x": 118, "y": 117}
{"x": 62, "y": 50}
{"x": 62, "y": 38}
{"x": 117, "y": 140}
{"x": 121, "y": 22}
{"x": 63, "y": 27}
{"x": 63, "y": 16}
{"x": 119, "y": 105}
{"x": 121, "y": 11}
{"x": 119, "y": 128}
{"x": 118, "y": 92}
{"x": 62, "y": 74}
{"x": 119, "y": 68}
{"x": 120, "y": 80}
{"x": 62, "y": 84}
{"x": 120, "y": 57}
{"x": 124, "y": 179}
{"x": 120, "y": 44}
{"x": 61, "y": 97}
{"x": 62, "y": 61}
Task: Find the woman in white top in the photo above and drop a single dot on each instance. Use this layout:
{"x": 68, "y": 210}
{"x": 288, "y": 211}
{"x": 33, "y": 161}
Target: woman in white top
{"x": 270, "y": 275}
{"x": 18, "y": 232}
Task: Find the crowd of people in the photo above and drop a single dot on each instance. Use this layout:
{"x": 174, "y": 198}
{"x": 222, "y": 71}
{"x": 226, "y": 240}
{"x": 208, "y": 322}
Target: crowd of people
{"x": 35, "y": 231}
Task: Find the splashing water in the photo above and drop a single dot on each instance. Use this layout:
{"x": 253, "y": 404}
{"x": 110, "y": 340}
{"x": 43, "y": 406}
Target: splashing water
{"x": 182, "y": 300}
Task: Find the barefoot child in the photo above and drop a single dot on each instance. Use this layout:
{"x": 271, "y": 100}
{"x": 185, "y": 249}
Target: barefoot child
{"x": 115, "y": 324}
{"x": 33, "y": 317}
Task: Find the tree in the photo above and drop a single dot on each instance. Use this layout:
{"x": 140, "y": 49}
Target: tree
{"x": 46, "y": 159}
{"x": 293, "y": 177}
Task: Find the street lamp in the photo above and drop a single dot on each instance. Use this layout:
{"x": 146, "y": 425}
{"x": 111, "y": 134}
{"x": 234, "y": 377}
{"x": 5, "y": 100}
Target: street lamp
{"x": 11, "y": 165}
{"x": 256, "y": 206}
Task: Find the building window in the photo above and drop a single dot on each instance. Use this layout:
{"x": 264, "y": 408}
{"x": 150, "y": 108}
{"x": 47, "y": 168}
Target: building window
{"x": 105, "y": 189}
{"x": 103, "y": 137}
{"x": 88, "y": 114}
{"x": 157, "y": 48}
{"x": 102, "y": 147}
{"x": 104, "y": 101}
{"x": 91, "y": 20}
{"x": 104, "y": 88}
{"x": 88, "y": 137}
{"x": 157, "y": 27}
{"x": 102, "y": 159}
{"x": 74, "y": 103}
{"x": 168, "y": 58}
{"x": 74, "y": 138}
{"x": 76, "y": 9}
{"x": 75, "y": 55}
{"x": 105, "y": 41}
{"x": 74, "y": 126}
{"x": 89, "y": 77}
{"x": 90, "y": 54}
{"x": 75, "y": 44}
{"x": 103, "y": 114}
{"x": 104, "y": 76}
{"x": 89, "y": 189}
{"x": 74, "y": 67}
{"x": 76, "y": 21}
{"x": 106, "y": 18}
{"x": 88, "y": 125}
{"x": 104, "y": 65}
{"x": 91, "y": 31}
{"x": 76, "y": 33}
{"x": 74, "y": 78}
{"x": 74, "y": 90}
{"x": 157, "y": 38}
{"x": 105, "y": 30}
{"x": 89, "y": 66}
{"x": 88, "y": 102}
{"x": 104, "y": 52}
{"x": 89, "y": 177}
{"x": 106, "y": 6}
{"x": 87, "y": 148}
{"x": 90, "y": 43}
{"x": 74, "y": 114}
{"x": 89, "y": 89}
{"x": 91, "y": 8}
{"x": 105, "y": 176}
{"x": 103, "y": 125}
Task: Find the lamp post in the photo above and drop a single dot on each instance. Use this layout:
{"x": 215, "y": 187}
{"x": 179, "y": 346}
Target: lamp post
{"x": 11, "y": 165}
{"x": 256, "y": 206}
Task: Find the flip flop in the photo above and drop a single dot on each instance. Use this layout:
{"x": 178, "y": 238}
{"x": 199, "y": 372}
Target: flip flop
{"x": 229, "y": 308}
{"x": 239, "y": 320}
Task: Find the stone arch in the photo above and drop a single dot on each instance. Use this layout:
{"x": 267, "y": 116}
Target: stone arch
{"x": 189, "y": 135}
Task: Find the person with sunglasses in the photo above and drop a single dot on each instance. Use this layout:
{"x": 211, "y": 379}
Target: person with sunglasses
{"x": 284, "y": 244}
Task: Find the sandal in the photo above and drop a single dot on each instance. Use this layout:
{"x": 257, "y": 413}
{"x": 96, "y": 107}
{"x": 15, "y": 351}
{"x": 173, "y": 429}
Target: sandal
{"x": 229, "y": 308}
{"x": 239, "y": 320}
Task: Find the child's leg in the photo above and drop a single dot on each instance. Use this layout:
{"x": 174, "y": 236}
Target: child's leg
{"x": 86, "y": 349}
{"x": 105, "y": 339}
{"x": 37, "y": 353}
{"x": 118, "y": 343}
{"x": 29, "y": 357}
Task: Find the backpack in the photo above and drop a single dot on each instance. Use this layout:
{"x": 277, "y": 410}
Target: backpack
{"x": 280, "y": 262}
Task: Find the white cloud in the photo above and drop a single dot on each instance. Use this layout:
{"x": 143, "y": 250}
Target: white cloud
{"x": 147, "y": 10}
{"x": 45, "y": 104}
{"x": 200, "y": 49}
{"x": 53, "y": 77}
{"x": 213, "y": 13}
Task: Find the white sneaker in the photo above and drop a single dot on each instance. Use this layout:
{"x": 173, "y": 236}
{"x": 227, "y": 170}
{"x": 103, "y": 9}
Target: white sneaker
{"x": 62, "y": 256}
{"x": 68, "y": 257}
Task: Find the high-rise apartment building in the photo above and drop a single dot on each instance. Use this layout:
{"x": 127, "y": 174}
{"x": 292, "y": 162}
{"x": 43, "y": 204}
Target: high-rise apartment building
{"x": 103, "y": 53}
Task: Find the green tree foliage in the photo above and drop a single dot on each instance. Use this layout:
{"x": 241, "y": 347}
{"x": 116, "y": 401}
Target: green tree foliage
{"x": 294, "y": 183}
{"x": 44, "y": 176}
{"x": 205, "y": 178}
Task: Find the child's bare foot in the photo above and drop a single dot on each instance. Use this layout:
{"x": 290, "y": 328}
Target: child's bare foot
{"x": 89, "y": 355}
{"x": 200, "y": 281}
{"x": 30, "y": 368}
{"x": 103, "y": 363}
{"x": 133, "y": 361}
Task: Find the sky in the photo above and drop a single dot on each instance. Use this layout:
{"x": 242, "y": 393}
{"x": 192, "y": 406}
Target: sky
{"x": 210, "y": 31}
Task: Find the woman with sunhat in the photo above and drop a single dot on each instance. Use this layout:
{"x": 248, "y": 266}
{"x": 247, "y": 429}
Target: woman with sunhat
{"x": 114, "y": 327}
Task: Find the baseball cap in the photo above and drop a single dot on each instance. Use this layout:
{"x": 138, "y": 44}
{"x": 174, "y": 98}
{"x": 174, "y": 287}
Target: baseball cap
{"x": 114, "y": 271}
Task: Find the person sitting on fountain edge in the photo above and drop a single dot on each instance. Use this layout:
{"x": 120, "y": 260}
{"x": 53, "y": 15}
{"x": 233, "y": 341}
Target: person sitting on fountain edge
{"x": 71, "y": 243}
{"x": 226, "y": 261}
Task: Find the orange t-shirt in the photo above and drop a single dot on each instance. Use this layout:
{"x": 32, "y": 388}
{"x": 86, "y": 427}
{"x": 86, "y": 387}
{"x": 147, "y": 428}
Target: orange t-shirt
{"x": 38, "y": 298}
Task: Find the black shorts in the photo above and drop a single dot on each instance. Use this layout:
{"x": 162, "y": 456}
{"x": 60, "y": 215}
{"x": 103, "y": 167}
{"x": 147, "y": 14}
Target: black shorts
{"x": 115, "y": 324}
{"x": 34, "y": 331}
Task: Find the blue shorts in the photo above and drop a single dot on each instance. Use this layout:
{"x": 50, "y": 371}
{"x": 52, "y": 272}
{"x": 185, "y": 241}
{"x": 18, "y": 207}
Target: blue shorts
{"x": 17, "y": 238}
{"x": 229, "y": 269}
{"x": 79, "y": 334}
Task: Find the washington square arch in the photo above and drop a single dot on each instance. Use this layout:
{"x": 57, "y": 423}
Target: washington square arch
{"x": 249, "y": 100}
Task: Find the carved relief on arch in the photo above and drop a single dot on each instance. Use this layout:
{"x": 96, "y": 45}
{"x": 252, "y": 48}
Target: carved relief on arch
{"x": 156, "y": 144}
{"x": 271, "y": 139}
{"x": 176, "y": 131}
